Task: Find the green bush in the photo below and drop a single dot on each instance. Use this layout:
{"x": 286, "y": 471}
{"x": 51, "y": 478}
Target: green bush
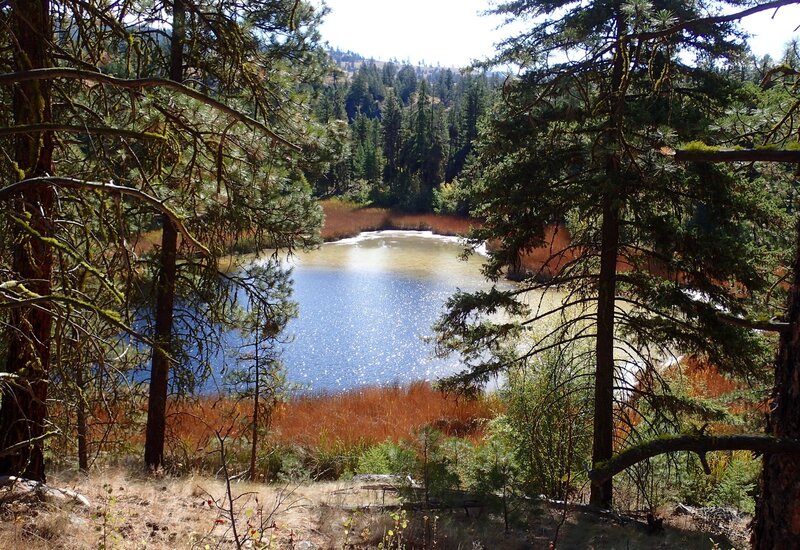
{"x": 494, "y": 473}
{"x": 733, "y": 481}
{"x": 332, "y": 460}
{"x": 451, "y": 198}
{"x": 282, "y": 463}
{"x": 548, "y": 423}
{"x": 387, "y": 458}
{"x": 737, "y": 486}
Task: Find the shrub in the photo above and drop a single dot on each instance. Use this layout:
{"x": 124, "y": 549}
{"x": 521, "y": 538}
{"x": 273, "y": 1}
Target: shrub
{"x": 548, "y": 423}
{"x": 494, "y": 472}
{"x": 737, "y": 486}
{"x": 387, "y": 458}
{"x": 732, "y": 482}
{"x": 451, "y": 198}
{"x": 433, "y": 467}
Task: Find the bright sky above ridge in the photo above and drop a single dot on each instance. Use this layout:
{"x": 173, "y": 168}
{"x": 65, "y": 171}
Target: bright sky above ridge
{"x": 452, "y": 33}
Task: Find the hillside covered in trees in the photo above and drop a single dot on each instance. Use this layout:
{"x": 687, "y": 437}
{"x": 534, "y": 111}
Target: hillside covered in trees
{"x": 409, "y": 131}
{"x": 635, "y": 174}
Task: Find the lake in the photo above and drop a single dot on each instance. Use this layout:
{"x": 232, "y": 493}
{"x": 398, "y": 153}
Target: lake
{"x": 366, "y": 304}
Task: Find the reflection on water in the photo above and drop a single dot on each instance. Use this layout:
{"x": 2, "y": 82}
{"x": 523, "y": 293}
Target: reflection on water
{"x": 365, "y": 305}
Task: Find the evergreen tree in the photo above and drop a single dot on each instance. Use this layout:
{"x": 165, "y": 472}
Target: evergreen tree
{"x": 576, "y": 142}
{"x": 367, "y": 157}
{"x": 762, "y": 126}
{"x": 389, "y": 72}
{"x": 392, "y": 133}
{"x": 406, "y": 83}
{"x": 200, "y": 155}
{"x": 358, "y": 98}
{"x": 365, "y": 93}
{"x": 464, "y": 122}
{"x": 240, "y": 80}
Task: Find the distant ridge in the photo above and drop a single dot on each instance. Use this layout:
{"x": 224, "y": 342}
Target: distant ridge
{"x": 350, "y": 61}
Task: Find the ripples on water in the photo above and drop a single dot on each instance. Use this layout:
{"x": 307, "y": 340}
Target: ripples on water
{"x": 366, "y": 304}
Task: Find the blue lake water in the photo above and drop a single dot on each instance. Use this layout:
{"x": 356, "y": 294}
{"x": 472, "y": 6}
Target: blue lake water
{"x": 366, "y": 305}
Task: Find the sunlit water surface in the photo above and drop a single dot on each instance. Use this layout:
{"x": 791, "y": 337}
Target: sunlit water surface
{"x": 366, "y": 305}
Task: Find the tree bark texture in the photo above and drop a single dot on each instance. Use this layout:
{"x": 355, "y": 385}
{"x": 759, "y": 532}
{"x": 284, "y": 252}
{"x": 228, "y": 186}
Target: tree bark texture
{"x": 603, "y": 439}
{"x": 159, "y": 371}
{"x": 23, "y": 411}
{"x": 777, "y": 522}
{"x": 81, "y": 423}
{"x": 601, "y": 494}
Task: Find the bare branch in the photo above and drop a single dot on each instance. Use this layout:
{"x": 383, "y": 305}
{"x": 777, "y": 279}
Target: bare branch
{"x": 9, "y": 190}
{"x": 27, "y": 443}
{"x": 76, "y": 129}
{"x": 13, "y": 294}
{"x": 8, "y": 79}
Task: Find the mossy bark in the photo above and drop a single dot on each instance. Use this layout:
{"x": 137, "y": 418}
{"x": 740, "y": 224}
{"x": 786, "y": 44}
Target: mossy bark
{"x": 23, "y": 411}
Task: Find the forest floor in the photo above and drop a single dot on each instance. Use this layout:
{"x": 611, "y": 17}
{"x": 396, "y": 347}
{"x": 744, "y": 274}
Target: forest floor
{"x": 138, "y": 512}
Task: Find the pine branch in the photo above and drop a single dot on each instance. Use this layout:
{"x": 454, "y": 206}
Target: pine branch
{"x": 706, "y": 21}
{"x": 140, "y": 84}
{"x": 9, "y": 190}
{"x": 741, "y": 155}
{"x": 767, "y": 326}
{"x": 79, "y": 129}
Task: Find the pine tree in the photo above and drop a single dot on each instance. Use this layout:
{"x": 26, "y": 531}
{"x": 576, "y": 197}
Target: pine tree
{"x": 392, "y": 133}
{"x": 201, "y": 155}
{"x": 764, "y": 123}
{"x": 23, "y": 408}
{"x": 575, "y": 143}
{"x": 406, "y": 83}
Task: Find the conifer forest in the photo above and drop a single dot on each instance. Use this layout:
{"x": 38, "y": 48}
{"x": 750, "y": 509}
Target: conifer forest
{"x": 625, "y": 372}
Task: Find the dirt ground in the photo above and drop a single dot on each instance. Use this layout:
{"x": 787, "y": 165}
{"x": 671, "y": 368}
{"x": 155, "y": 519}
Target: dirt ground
{"x": 125, "y": 511}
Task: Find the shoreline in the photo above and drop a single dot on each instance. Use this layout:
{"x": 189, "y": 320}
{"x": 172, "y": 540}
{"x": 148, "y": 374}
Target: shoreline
{"x": 347, "y": 220}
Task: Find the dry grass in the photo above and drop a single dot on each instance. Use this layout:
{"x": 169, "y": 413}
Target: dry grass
{"x": 325, "y": 422}
{"x": 373, "y": 415}
{"x": 131, "y": 511}
{"x": 134, "y": 512}
{"x": 346, "y": 219}
{"x": 705, "y": 380}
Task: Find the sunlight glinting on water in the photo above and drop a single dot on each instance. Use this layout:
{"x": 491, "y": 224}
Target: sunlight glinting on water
{"x": 367, "y": 303}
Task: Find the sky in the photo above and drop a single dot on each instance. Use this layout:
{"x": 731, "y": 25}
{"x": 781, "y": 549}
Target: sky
{"x": 452, "y": 33}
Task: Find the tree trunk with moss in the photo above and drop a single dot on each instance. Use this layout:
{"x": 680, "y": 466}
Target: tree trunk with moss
{"x": 23, "y": 411}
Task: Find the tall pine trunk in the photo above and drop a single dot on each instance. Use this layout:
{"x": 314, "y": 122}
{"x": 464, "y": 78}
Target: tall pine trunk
{"x": 603, "y": 439}
{"x": 23, "y": 411}
{"x": 603, "y": 436}
{"x": 165, "y": 288}
{"x": 256, "y": 406}
{"x": 777, "y": 522}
